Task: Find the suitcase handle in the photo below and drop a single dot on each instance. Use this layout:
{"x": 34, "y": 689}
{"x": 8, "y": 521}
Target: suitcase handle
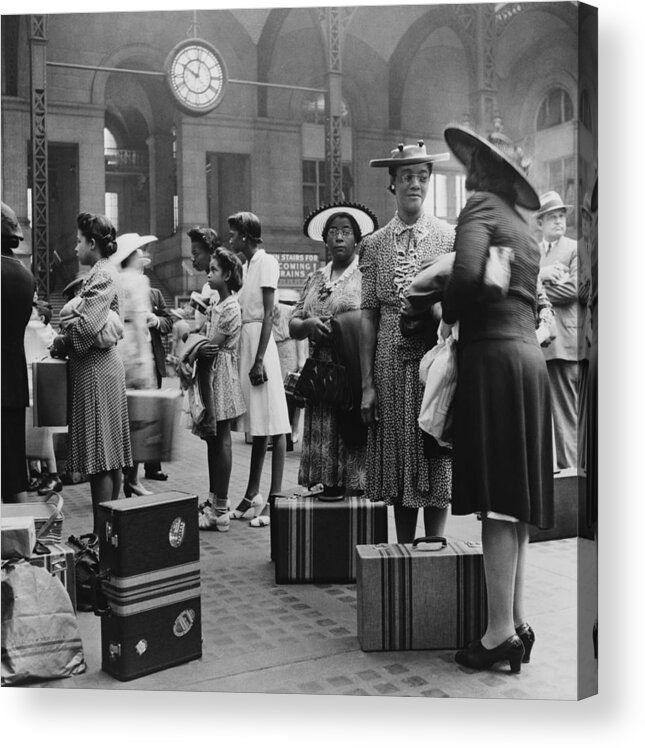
{"x": 431, "y": 539}
{"x": 57, "y": 512}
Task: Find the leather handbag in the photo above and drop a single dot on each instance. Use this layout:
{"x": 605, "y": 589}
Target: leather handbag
{"x": 324, "y": 383}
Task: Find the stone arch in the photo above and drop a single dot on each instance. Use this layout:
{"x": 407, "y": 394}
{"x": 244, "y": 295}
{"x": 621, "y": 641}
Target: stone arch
{"x": 266, "y": 47}
{"x": 408, "y": 46}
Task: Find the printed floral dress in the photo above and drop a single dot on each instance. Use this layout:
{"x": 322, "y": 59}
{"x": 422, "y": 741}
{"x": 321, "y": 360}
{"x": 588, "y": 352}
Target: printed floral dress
{"x": 398, "y": 471}
{"x": 219, "y": 379}
{"x": 325, "y": 458}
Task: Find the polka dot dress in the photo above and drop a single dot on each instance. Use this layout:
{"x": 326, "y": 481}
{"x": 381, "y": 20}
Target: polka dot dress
{"x": 397, "y": 470}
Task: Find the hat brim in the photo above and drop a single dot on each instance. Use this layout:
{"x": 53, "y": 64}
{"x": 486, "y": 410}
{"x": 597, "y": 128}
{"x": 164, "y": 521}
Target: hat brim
{"x": 127, "y": 244}
{"x": 430, "y": 158}
{"x": 463, "y": 142}
{"x": 317, "y": 219}
{"x": 553, "y": 209}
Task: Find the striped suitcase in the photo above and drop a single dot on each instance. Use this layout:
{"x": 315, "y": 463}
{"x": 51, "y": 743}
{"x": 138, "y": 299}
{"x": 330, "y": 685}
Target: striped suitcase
{"x": 315, "y": 541}
{"x": 428, "y": 595}
{"x": 149, "y": 551}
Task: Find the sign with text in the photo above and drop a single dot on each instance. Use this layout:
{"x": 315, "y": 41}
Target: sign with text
{"x": 295, "y": 267}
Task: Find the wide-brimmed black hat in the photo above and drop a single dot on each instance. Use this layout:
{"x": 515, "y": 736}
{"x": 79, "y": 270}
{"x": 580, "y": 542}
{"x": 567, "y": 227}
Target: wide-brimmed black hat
{"x": 406, "y": 155}
{"x": 463, "y": 141}
{"x": 316, "y": 221}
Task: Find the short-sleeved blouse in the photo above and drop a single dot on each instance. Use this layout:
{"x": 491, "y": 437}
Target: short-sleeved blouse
{"x": 262, "y": 271}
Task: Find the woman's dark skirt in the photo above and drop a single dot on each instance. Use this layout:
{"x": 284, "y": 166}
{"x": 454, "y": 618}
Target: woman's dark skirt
{"x": 502, "y": 450}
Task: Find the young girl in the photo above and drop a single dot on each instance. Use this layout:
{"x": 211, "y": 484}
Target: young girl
{"x": 220, "y": 385}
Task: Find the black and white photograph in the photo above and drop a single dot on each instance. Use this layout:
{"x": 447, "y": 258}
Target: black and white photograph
{"x": 300, "y": 350}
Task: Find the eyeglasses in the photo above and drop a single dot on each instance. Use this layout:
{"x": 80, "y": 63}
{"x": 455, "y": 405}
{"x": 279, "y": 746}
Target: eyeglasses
{"x": 333, "y": 232}
{"x": 409, "y": 178}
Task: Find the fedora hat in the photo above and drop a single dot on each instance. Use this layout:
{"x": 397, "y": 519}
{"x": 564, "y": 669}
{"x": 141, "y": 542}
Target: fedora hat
{"x": 549, "y": 202}
{"x": 406, "y": 155}
{"x": 316, "y": 221}
{"x": 463, "y": 141}
{"x": 126, "y": 244}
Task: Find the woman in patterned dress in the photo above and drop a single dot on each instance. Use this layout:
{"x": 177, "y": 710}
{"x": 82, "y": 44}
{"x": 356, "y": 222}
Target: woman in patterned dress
{"x": 331, "y": 290}
{"x": 398, "y": 470}
{"x": 266, "y": 404}
{"x": 220, "y": 384}
{"x": 502, "y": 443}
{"x": 99, "y": 432}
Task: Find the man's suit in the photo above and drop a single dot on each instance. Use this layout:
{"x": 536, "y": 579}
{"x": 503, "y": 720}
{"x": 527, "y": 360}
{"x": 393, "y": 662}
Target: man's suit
{"x": 160, "y": 310}
{"x": 562, "y": 354}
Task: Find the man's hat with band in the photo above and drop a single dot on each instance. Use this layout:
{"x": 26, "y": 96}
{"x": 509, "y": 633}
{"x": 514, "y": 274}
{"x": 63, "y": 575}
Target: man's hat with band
{"x": 549, "y": 202}
{"x": 407, "y": 155}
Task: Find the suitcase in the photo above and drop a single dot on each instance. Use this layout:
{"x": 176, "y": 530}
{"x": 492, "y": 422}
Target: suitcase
{"x": 50, "y": 392}
{"x": 153, "y": 416}
{"x": 315, "y": 541}
{"x": 59, "y": 562}
{"x": 427, "y": 595}
{"x": 47, "y": 515}
{"x": 18, "y": 537}
{"x": 570, "y": 504}
{"x": 150, "y": 579}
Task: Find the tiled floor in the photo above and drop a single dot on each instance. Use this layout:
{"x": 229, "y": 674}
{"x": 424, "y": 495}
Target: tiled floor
{"x": 262, "y": 637}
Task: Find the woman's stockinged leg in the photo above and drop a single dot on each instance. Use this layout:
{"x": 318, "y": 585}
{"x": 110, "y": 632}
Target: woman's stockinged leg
{"x": 434, "y": 521}
{"x": 211, "y": 454}
{"x": 221, "y": 475}
{"x": 258, "y": 451}
{"x": 104, "y": 486}
{"x": 277, "y": 462}
{"x": 405, "y": 520}
{"x": 500, "y": 547}
{"x": 522, "y": 530}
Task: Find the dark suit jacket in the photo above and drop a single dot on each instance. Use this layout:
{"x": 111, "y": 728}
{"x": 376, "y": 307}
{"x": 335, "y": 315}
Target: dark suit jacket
{"x": 160, "y": 308}
{"x": 17, "y": 296}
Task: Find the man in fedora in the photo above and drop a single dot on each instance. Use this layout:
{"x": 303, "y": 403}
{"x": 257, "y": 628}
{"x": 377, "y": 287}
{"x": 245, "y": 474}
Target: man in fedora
{"x": 559, "y": 274}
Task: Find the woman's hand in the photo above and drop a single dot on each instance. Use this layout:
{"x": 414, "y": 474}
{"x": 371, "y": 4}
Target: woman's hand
{"x": 317, "y": 330}
{"x": 59, "y": 347}
{"x": 207, "y": 352}
{"x": 258, "y": 374}
{"x": 369, "y": 406}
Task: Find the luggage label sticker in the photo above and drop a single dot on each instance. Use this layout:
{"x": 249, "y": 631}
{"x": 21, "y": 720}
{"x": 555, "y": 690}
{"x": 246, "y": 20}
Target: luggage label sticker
{"x": 141, "y": 647}
{"x": 184, "y": 622}
{"x": 177, "y": 532}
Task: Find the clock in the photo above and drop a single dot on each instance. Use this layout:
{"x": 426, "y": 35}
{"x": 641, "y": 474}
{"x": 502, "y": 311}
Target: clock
{"x": 196, "y": 75}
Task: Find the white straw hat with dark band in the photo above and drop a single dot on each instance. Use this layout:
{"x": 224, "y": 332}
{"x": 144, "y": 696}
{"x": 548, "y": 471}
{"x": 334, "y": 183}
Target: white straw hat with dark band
{"x": 317, "y": 219}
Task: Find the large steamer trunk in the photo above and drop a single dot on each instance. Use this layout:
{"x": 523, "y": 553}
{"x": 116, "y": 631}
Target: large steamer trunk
{"x": 149, "y": 550}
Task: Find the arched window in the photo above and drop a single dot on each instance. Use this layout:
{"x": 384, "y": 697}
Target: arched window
{"x": 556, "y": 108}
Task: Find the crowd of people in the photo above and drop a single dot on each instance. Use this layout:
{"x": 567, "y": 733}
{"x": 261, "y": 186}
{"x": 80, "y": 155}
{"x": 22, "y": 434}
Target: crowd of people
{"x": 515, "y": 390}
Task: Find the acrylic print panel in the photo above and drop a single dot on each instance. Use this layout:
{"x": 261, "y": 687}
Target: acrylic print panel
{"x": 394, "y": 74}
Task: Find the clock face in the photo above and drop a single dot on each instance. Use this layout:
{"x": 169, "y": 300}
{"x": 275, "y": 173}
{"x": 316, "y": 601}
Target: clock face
{"x": 196, "y": 75}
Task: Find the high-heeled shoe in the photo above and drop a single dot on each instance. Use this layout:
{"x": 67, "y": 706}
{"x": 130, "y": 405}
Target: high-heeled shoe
{"x": 135, "y": 488}
{"x": 208, "y": 520}
{"x": 527, "y": 635}
{"x": 248, "y": 508}
{"x": 477, "y": 657}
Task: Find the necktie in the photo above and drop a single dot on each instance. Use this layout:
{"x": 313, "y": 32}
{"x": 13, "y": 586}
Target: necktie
{"x": 548, "y": 249}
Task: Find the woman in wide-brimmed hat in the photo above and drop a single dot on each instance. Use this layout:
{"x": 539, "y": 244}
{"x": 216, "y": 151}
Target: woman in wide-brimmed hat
{"x": 332, "y": 453}
{"x": 135, "y": 348}
{"x": 401, "y": 469}
{"x": 502, "y": 450}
